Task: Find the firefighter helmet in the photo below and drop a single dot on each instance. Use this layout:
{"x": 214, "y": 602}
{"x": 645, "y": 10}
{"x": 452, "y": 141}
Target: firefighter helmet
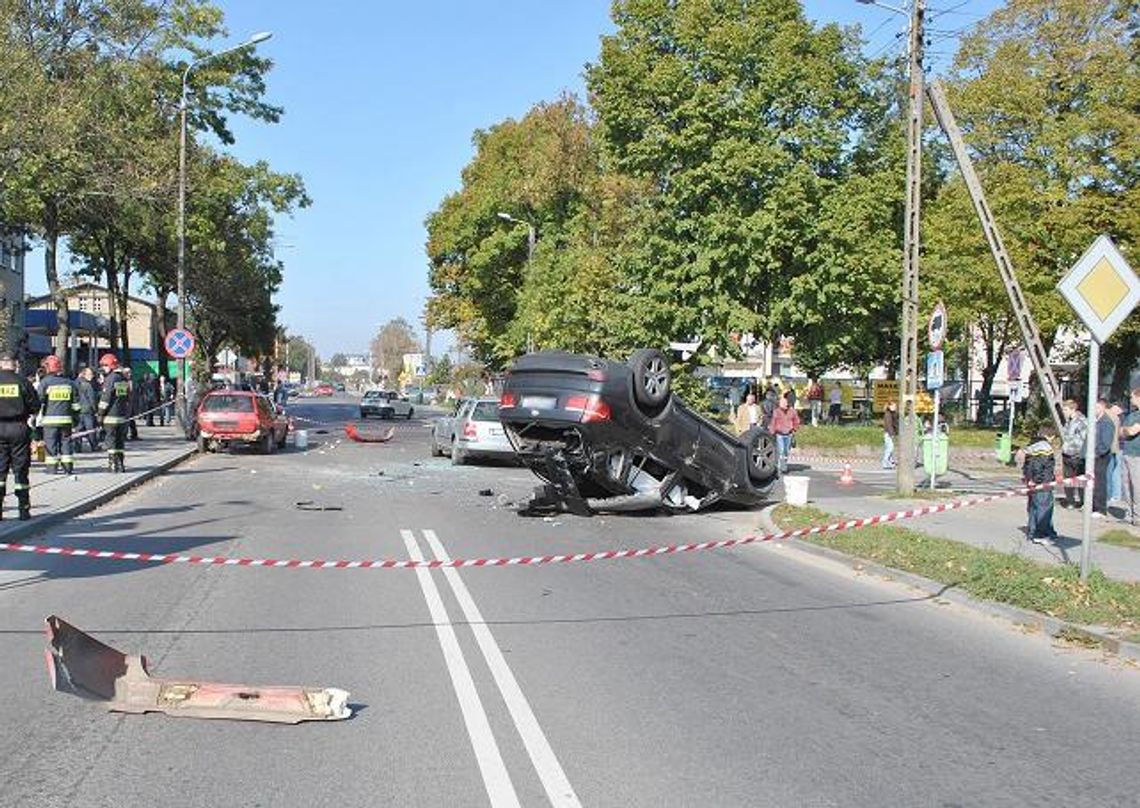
{"x": 109, "y": 361}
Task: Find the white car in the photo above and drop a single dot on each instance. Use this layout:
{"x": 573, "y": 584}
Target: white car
{"x": 385, "y": 404}
{"x": 471, "y": 431}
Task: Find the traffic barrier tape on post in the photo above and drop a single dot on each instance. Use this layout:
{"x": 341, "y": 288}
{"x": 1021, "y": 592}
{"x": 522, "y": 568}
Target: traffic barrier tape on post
{"x": 522, "y": 561}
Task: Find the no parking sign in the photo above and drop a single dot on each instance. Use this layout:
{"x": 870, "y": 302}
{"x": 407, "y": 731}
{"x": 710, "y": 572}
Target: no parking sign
{"x": 179, "y": 343}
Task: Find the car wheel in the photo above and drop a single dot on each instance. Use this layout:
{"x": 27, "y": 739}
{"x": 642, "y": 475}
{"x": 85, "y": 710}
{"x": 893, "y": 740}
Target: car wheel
{"x": 363, "y": 415}
{"x": 203, "y": 445}
{"x": 435, "y": 450}
{"x": 762, "y": 456}
{"x": 267, "y": 443}
{"x": 284, "y": 437}
{"x": 457, "y": 458}
{"x": 652, "y": 379}
{"x": 411, "y": 412}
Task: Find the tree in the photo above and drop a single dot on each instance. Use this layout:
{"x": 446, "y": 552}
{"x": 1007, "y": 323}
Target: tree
{"x": 394, "y": 339}
{"x": 745, "y": 121}
{"x": 441, "y": 372}
{"x": 1046, "y": 93}
{"x": 338, "y": 360}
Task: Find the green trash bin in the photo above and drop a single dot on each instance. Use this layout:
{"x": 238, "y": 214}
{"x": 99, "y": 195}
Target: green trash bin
{"x": 936, "y": 453}
{"x": 1003, "y": 449}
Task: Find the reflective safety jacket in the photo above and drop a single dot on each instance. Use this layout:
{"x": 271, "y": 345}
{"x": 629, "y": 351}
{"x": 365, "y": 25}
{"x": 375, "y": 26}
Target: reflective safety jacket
{"x": 18, "y": 398}
{"x": 60, "y": 401}
{"x": 115, "y": 402}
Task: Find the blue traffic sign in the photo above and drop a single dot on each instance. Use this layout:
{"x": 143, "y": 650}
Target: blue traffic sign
{"x": 179, "y": 343}
{"x": 935, "y": 370}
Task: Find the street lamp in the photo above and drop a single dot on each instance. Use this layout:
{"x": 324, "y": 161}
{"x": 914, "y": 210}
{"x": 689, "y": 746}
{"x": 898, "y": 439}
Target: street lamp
{"x": 531, "y": 240}
{"x": 180, "y": 387}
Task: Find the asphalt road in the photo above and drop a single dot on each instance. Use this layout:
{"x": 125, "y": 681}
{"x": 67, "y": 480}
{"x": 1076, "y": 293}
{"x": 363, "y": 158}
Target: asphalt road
{"x": 743, "y": 677}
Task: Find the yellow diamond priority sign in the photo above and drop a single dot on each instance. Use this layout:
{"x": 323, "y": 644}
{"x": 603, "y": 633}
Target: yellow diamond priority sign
{"x": 1101, "y": 288}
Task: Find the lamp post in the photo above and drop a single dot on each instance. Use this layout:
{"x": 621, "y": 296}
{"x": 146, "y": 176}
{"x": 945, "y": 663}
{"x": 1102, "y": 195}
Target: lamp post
{"x": 531, "y": 241}
{"x": 180, "y": 388}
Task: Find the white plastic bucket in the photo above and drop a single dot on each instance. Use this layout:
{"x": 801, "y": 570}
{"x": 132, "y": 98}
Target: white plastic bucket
{"x": 796, "y": 489}
{"x": 301, "y": 439}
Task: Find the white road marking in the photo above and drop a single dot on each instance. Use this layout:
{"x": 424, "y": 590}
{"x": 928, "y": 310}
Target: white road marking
{"x": 496, "y": 779}
{"x": 554, "y": 780}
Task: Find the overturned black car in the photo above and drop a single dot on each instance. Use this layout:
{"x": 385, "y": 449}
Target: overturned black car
{"x": 611, "y": 436}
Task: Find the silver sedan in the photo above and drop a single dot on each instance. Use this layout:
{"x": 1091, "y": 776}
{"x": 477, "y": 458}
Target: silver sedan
{"x": 471, "y": 431}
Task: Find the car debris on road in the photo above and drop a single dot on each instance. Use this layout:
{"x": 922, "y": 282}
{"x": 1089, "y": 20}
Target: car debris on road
{"x": 80, "y": 665}
{"x": 368, "y": 436}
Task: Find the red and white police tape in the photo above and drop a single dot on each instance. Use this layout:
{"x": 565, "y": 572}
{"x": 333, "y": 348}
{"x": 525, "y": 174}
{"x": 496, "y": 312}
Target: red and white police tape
{"x": 523, "y": 561}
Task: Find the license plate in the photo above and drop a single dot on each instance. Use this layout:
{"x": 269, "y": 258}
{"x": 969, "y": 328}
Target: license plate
{"x": 539, "y": 402}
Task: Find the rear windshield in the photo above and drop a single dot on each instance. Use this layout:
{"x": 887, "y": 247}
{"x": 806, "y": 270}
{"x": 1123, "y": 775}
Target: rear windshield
{"x": 228, "y": 404}
{"x": 486, "y": 411}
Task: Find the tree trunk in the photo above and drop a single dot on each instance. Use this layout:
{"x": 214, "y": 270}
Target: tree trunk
{"x": 160, "y": 309}
{"x": 51, "y": 271}
{"x": 122, "y": 305}
{"x": 112, "y": 305}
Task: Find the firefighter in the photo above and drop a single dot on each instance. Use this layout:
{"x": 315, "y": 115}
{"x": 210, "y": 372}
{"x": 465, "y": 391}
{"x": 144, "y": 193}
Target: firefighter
{"x": 59, "y": 411}
{"x": 18, "y": 403}
{"x": 114, "y": 410}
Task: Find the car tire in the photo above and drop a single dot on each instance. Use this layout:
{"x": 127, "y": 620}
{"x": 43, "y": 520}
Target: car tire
{"x": 457, "y": 457}
{"x": 267, "y": 444}
{"x": 652, "y": 379}
{"x": 363, "y": 415}
{"x": 435, "y": 450}
{"x": 411, "y": 412}
{"x": 762, "y": 455}
{"x": 203, "y": 445}
{"x": 284, "y": 437}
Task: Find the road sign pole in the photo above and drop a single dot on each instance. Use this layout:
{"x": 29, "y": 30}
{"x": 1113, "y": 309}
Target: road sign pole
{"x": 935, "y": 441}
{"x": 1090, "y": 459}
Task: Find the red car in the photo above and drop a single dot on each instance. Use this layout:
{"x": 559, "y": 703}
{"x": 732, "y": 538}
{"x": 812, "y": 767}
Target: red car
{"x": 239, "y": 416}
{"x": 323, "y": 390}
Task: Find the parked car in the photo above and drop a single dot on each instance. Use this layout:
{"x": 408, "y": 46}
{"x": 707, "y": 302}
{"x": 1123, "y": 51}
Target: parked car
{"x": 339, "y": 387}
{"x": 323, "y": 389}
{"x": 606, "y": 435}
{"x": 471, "y": 431}
{"x": 385, "y": 404}
{"x": 227, "y": 417}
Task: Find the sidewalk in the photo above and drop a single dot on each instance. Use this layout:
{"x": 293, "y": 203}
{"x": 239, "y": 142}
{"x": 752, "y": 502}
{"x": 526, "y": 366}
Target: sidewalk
{"x": 56, "y": 498}
{"x": 999, "y": 526}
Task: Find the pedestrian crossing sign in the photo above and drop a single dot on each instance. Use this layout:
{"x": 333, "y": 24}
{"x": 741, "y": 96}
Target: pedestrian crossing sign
{"x": 1101, "y": 288}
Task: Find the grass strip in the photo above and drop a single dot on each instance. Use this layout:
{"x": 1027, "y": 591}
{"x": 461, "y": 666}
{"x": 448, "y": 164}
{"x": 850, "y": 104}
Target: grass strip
{"x": 1121, "y": 538}
{"x": 871, "y": 437}
{"x": 986, "y": 574}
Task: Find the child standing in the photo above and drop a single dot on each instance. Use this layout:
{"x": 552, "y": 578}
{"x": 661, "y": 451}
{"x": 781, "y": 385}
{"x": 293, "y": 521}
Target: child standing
{"x": 1040, "y": 467}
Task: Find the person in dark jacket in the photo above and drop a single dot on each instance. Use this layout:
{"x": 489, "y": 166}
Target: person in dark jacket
{"x": 115, "y": 411}
{"x": 1039, "y": 467}
{"x": 88, "y": 408}
{"x": 1105, "y": 437}
{"x": 59, "y": 410}
{"x": 18, "y": 403}
{"x": 135, "y": 406}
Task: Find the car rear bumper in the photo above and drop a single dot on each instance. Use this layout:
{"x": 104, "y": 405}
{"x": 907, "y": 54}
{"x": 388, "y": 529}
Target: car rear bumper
{"x": 247, "y": 437}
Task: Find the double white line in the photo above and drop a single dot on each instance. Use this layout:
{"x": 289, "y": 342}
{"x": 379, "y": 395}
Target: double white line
{"x": 496, "y": 778}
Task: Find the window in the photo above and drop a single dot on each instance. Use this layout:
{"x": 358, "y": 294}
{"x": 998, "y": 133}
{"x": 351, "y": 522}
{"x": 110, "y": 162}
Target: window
{"x": 228, "y": 403}
{"x": 486, "y": 411}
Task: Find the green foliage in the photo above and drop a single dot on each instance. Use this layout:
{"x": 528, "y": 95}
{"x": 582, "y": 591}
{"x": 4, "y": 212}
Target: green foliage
{"x": 1046, "y": 92}
{"x": 441, "y": 372}
{"x": 394, "y": 339}
{"x": 987, "y": 574}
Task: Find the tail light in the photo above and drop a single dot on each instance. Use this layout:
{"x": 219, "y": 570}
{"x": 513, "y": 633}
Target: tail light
{"x": 469, "y": 430}
{"x": 593, "y": 408}
{"x": 509, "y": 400}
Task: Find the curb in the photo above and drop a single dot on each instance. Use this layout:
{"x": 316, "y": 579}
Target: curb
{"x": 38, "y": 524}
{"x": 1051, "y": 626}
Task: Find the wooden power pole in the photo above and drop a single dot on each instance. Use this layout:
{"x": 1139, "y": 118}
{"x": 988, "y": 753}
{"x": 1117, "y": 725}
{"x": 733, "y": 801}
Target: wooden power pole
{"x": 1030, "y": 335}
{"x": 908, "y": 368}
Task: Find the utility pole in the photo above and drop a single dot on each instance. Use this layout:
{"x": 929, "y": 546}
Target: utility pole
{"x": 908, "y": 369}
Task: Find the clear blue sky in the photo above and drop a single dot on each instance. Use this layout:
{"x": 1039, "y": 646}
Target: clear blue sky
{"x": 381, "y": 99}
